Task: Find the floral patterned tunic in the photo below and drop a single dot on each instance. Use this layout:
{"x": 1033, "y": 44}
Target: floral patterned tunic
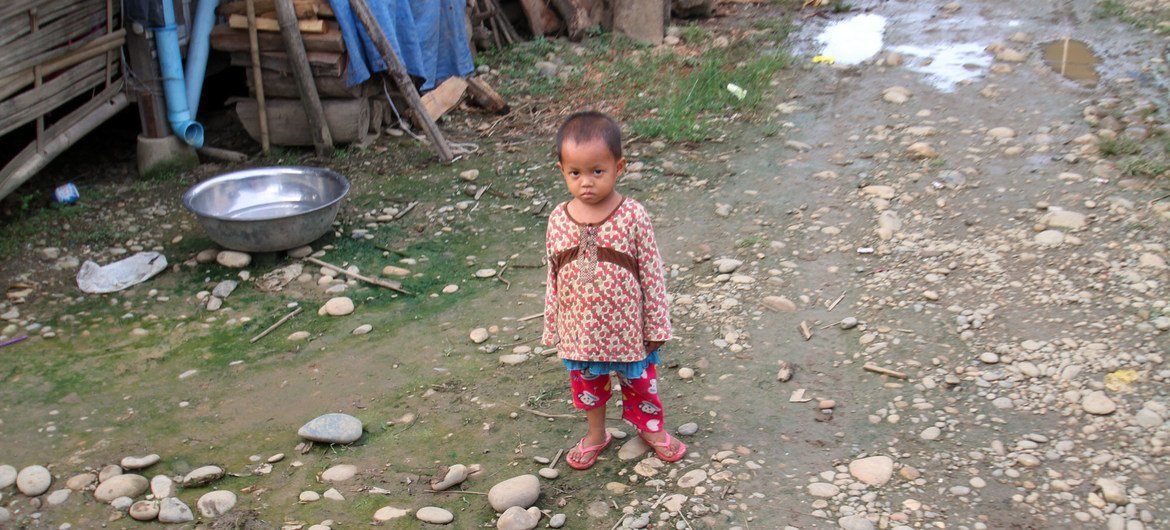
{"x": 606, "y": 289}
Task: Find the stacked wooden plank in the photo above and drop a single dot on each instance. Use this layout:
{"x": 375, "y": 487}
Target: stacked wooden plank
{"x": 51, "y": 52}
{"x": 350, "y": 111}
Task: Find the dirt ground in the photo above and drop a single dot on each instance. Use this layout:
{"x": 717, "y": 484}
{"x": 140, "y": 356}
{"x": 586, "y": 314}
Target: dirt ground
{"x": 915, "y": 236}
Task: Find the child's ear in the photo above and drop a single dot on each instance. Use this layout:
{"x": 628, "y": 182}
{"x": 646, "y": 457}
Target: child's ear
{"x": 621, "y": 166}
{"x": 560, "y": 167}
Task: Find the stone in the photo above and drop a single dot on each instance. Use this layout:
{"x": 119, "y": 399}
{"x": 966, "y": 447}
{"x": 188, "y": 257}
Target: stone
{"x": 144, "y": 510}
{"x": 470, "y": 175}
{"x": 5, "y": 515}
{"x": 632, "y": 449}
{"x": 1011, "y": 55}
{"x": 549, "y": 472}
{"x": 337, "y": 307}
{"x": 139, "y": 462}
{"x": 823, "y": 489}
{"x": 300, "y": 252}
{"x": 298, "y": 336}
{"x": 450, "y": 288}
{"x": 1064, "y": 219}
{"x": 309, "y": 496}
{"x": 557, "y": 520}
{"x": 391, "y": 270}
{"x": 873, "y": 470}
{"x": 223, "y": 290}
{"x": 334, "y": 427}
{"x": 512, "y": 359}
{"x": 517, "y": 518}
{"x": 233, "y": 260}
{"x": 122, "y": 503}
{"x": 879, "y": 191}
{"x": 161, "y": 486}
{"x": 202, "y": 475}
{"x": 779, "y": 303}
{"x": 921, "y": 150}
{"x": 930, "y": 433}
{"x": 7, "y": 476}
{"x": 456, "y": 474}
{"x": 1049, "y": 238}
{"x": 686, "y": 373}
{"x": 1148, "y": 418}
{"x": 1112, "y": 491}
{"x": 362, "y": 329}
{"x": 58, "y": 497}
{"x": 727, "y": 265}
{"x": 79, "y": 482}
{"x": 692, "y": 478}
{"x": 389, "y": 513}
{"x": 206, "y": 255}
{"x": 128, "y": 485}
{"x": 339, "y": 473}
{"x": 479, "y": 335}
{"x": 333, "y": 495}
{"x": 33, "y": 480}
{"x": 896, "y": 94}
{"x": 855, "y": 522}
{"x": 1098, "y": 403}
{"x": 485, "y": 273}
{"x": 519, "y": 491}
{"x": 1001, "y": 133}
{"x": 173, "y": 510}
{"x": 216, "y": 503}
{"x": 434, "y": 515}
{"x": 687, "y": 429}
{"x": 848, "y": 323}
{"x": 214, "y": 303}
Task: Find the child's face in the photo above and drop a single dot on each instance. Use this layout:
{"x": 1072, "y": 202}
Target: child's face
{"x": 590, "y": 169}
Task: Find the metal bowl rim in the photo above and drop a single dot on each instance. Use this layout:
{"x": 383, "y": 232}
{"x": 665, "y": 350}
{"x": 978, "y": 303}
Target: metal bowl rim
{"x": 248, "y": 173}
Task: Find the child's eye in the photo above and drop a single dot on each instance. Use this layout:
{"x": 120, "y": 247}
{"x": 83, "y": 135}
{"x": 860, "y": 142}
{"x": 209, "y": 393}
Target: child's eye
{"x": 598, "y": 172}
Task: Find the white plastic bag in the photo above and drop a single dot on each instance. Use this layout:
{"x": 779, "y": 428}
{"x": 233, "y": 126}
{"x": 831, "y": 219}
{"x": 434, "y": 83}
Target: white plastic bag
{"x": 94, "y": 278}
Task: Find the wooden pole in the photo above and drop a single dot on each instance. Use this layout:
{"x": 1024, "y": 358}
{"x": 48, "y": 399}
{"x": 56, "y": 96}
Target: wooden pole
{"x": 402, "y": 79}
{"x": 295, "y": 46}
{"x": 252, "y": 42}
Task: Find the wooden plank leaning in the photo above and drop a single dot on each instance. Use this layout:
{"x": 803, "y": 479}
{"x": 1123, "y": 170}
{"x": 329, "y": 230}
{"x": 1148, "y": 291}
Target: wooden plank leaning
{"x": 295, "y": 47}
{"x": 402, "y": 79}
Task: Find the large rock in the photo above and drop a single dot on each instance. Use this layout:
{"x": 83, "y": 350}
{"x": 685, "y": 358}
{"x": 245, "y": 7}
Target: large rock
{"x": 1112, "y": 491}
{"x": 334, "y": 427}
{"x": 823, "y": 489}
{"x": 517, "y": 518}
{"x": 779, "y": 303}
{"x": 216, "y": 503}
{"x": 339, "y": 473}
{"x": 58, "y": 497}
{"x": 519, "y": 491}
{"x": 692, "y": 478}
{"x": 33, "y": 480}
{"x": 233, "y": 260}
{"x": 855, "y": 522}
{"x": 128, "y": 485}
{"x": 456, "y": 474}
{"x": 161, "y": 486}
{"x": 7, "y": 476}
{"x": 80, "y": 481}
{"x": 1065, "y": 219}
{"x": 434, "y": 515}
{"x": 387, "y": 513}
{"x": 202, "y": 475}
{"x": 173, "y": 510}
{"x": 337, "y": 307}
{"x": 139, "y": 462}
{"x": 144, "y": 510}
{"x": 874, "y": 470}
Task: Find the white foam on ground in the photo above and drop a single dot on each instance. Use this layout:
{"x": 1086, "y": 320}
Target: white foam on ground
{"x": 854, "y": 39}
{"x": 947, "y": 65}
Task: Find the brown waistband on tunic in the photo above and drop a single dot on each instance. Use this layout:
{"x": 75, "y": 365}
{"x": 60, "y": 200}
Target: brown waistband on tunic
{"x": 621, "y": 259}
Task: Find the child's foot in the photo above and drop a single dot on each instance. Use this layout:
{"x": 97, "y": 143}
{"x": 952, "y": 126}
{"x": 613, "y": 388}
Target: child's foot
{"x": 667, "y": 447}
{"x": 584, "y": 454}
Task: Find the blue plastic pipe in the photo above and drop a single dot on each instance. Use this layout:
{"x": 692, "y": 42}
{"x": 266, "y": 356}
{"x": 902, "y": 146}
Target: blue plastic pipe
{"x": 197, "y": 49}
{"x": 174, "y": 89}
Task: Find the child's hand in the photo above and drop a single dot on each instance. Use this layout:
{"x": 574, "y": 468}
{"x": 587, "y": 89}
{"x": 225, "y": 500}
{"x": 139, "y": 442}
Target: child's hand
{"x": 652, "y": 345}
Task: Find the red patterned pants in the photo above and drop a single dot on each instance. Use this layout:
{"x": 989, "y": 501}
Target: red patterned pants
{"x": 640, "y": 404}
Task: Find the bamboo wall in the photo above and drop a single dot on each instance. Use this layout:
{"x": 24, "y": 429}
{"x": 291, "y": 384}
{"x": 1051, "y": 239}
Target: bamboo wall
{"x": 51, "y": 52}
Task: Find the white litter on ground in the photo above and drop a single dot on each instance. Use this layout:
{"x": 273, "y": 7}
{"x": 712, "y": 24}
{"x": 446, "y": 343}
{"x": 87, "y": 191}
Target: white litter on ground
{"x": 946, "y": 65}
{"x": 854, "y": 39}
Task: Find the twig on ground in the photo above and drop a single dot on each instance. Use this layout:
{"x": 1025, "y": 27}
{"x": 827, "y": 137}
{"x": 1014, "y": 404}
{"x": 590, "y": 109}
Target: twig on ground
{"x": 870, "y": 367}
{"x": 556, "y": 416}
{"x": 530, "y": 317}
{"x": 556, "y": 459}
{"x": 392, "y": 285}
{"x": 457, "y": 491}
{"x": 405, "y": 211}
{"x": 278, "y": 323}
{"x": 483, "y": 189}
{"x": 500, "y": 276}
{"x": 837, "y": 301}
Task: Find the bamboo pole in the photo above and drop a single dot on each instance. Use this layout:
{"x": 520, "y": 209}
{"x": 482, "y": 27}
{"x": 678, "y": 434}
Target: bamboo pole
{"x": 1064, "y": 56}
{"x": 402, "y": 79}
{"x": 104, "y": 44}
{"x": 38, "y": 78}
{"x": 255, "y": 48}
{"x": 295, "y": 46}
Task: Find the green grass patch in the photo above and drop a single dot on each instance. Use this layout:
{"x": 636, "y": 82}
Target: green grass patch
{"x": 1119, "y": 146}
{"x": 1137, "y": 166}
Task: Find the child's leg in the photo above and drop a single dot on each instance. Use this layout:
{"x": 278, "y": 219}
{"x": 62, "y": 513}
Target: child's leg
{"x": 642, "y": 408}
{"x": 590, "y": 393}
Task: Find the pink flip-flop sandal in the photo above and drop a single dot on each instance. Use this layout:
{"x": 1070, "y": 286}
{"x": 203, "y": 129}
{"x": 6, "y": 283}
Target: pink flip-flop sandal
{"x": 593, "y": 450}
{"x": 665, "y": 444}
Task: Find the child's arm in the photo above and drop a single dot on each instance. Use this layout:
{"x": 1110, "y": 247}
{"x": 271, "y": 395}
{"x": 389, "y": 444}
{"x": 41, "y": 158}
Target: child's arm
{"x": 655, "y": 312}
{"x": 550, "y": 337}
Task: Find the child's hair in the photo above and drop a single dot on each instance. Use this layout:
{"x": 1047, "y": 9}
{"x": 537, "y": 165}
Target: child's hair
{"x": 587, "y": 126}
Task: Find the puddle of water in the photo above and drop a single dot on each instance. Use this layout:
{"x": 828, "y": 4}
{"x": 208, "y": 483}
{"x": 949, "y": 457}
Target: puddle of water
{"x": 947, "y": 65}
{"x": 854, "y": 39}
{"x": 1072, "y": 59}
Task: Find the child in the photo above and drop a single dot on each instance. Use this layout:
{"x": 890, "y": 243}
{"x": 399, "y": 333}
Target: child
{"x": 605, "y": 307}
